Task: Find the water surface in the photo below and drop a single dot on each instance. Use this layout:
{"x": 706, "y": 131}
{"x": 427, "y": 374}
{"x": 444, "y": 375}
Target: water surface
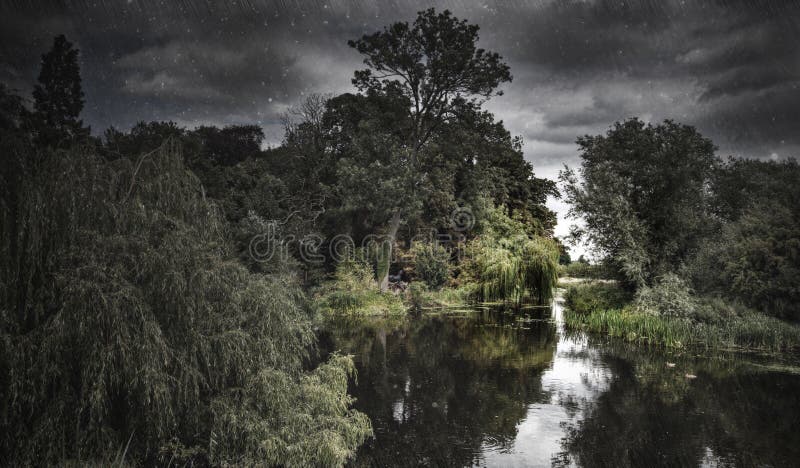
{"x": 491, "y": 387}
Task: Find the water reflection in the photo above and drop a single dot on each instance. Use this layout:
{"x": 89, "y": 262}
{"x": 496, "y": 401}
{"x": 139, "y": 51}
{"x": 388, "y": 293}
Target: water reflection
{"x": 495, "y": 388}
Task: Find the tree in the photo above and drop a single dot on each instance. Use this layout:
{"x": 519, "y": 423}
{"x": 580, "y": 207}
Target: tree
{"x": 433, "y": 67}
{"x": 755, "y": 256}
{"x": 563, "y": 252}
{"x": 644, "y": 195}
{"x": 137, "y": 328}
{"x": 230, "y": 145}
{"x": 58, "y": 97}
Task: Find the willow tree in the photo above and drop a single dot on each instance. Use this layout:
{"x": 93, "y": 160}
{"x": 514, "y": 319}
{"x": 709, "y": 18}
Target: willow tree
{"x": 126, "y": 324}
{"x": 504, "y": 263}
{"x": 433, "y": 67}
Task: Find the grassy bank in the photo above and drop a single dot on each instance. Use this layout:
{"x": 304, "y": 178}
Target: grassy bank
{"x": 352, "y": 290}
{"x": 421, "y": 297}
{"x": 605, "y": 308}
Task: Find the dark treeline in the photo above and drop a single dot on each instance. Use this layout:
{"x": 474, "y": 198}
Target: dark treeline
{"x": 136, "y": 325}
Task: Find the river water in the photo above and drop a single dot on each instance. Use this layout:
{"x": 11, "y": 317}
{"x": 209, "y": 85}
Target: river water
{"x": 493, "y": 387}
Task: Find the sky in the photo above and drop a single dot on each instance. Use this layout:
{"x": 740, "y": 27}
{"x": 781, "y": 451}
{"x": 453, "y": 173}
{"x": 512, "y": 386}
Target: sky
{"x": 730, "y": 68}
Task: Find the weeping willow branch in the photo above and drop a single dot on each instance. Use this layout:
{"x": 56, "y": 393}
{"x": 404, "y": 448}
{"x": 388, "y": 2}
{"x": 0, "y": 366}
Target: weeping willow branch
{"x": 132, "y": 317}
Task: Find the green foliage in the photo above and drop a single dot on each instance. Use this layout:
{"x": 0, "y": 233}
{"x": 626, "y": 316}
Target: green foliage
{"x": 353, "y": 291}
{"x": 509, "y": 266}
{"x": 662, "y": 207}
{"x": 563, "y": 257}
{"x": 450, "y": 297}
{"x": 420, "y": 79}
{"x": 125, "y": 316}
{"x": 585, "y": 270}
{"x": 431, "y": 263}
{"x": 432, "y": 61}
{"x": 276, "y": 420}
{"x": 605, "y": 308}
{"x": 756, "y": 258}
{"x": 670, "y": 296}
{"x": 593, "y": 296}
{"x": 642, "y": 193}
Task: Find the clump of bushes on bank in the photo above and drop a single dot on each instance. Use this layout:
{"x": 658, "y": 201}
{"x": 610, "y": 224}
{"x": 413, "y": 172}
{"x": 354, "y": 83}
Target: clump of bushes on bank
{"x": 431, "y": 263}
{"x": 705, "y": 242}
{"x": 353, "y": 290}
{"x": 666, "y": 315}
{"x": 584, "y": 269}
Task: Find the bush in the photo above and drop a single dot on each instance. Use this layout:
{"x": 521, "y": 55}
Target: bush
{"x": 756, "y": 259}
{"x": 353, "y": 289}
{"x": 606, "y": 308}
{"x": 595, "y": 296}
{"x": 431, "y": 263}
{"x": 670, "y": 297}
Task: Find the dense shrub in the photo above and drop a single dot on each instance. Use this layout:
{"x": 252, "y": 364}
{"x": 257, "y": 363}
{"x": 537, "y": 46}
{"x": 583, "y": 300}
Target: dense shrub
{"x": 353, "y": 290}
{"x": 670, "y": 296}
{"x": 756, "y": 259}
{"x": 125, "y": 317}
{"x": 589, "y": 297}
{"x": 431, "y": 263}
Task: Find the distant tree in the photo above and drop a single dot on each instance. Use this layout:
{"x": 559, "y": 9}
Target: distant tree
{"x": 563, "y": 253}
{"x": 644, "y": 195}
{"x": 12, "y": 109}
{"x": 143, "y": 137}
{"x": 433, "y": 67}
{"x": 232, "y": 144}
{"x": 58, "y": 97}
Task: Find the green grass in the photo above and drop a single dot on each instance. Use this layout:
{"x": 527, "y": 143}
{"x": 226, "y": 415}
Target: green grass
{"x": 361, "y": 301}
{"x": 421, "y": 297}
{"x": 603, "y": 308}
{"x": 353, "y": 290}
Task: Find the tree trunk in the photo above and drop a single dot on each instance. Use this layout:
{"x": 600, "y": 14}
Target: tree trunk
{"x": 385, "y": 259}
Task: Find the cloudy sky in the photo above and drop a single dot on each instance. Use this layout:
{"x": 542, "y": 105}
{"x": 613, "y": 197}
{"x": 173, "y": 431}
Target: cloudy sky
{"x": 732, "y": 68}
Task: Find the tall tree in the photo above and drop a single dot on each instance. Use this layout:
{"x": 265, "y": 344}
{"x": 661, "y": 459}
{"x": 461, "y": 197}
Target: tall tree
{"x": 435, "y": 66}
{"x": 58, "y": 97}
{"x": 644, "y": 194}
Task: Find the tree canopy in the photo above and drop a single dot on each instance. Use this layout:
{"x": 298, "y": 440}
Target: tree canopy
{"x": 58, "y": 96}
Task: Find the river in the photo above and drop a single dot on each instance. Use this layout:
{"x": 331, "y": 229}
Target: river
{"x": 494, "y": 387}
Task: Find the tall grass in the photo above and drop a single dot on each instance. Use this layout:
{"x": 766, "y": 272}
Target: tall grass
{"x": 602, "y": 308}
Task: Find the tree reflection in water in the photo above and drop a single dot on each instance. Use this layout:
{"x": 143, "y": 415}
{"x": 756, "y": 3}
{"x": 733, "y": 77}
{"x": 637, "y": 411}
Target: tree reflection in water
{"x": 498, "y": 388}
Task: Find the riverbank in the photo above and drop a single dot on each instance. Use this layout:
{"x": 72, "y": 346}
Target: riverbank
{"x": 603, "y": 307}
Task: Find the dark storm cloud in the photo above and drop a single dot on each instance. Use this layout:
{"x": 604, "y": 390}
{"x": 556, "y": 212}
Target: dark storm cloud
{"x": 732, "y": 68}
